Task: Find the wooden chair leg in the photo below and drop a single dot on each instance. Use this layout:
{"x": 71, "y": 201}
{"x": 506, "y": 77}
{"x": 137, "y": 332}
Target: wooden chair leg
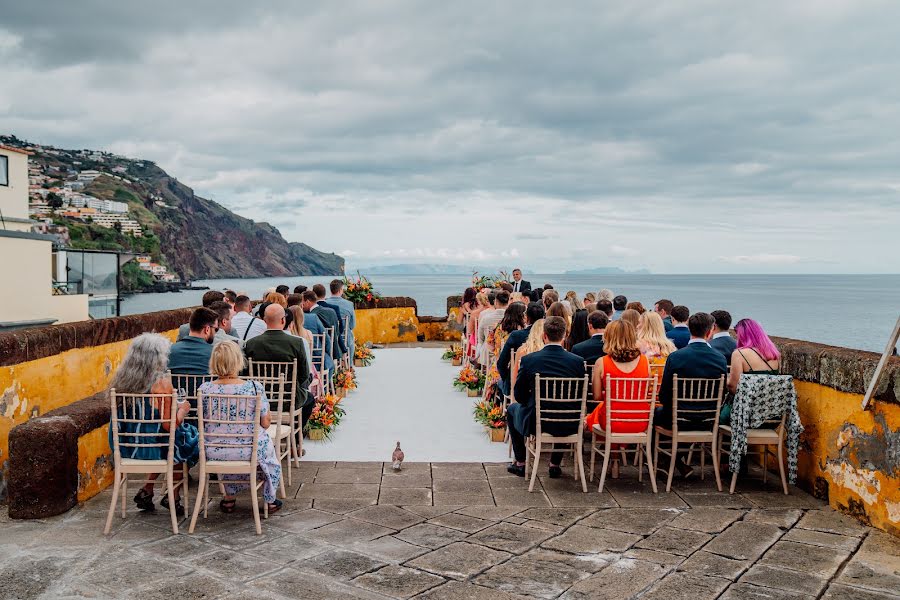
{"x": 784, "y": 483}
{"x": 124, "y": 492}
{"x": 534, "y": 467}
{"x": 715, "y": 460}
{"x": 170, "y": 491}
{"x": 607, "y": 446}
{"x": 579, "y": 464}
{"x": 651, "y": 468}
{"x": 640, "y": 462}
{"x": 733, "y": 482}
{"x": 201, "y": 493}
{"x": 185, "y": 493}
{"x": 702, "y": 462}
{"x": 112, "y": 504}
{"x": 254, "y": 504}
{"x": 593, "y": 454}
{"x": 672, "y": 465}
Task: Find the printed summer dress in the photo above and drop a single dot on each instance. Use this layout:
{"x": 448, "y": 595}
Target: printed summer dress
{"x": 266, "y": 457}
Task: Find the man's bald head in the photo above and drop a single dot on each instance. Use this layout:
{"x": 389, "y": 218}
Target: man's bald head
{"x": 274, "y": 316}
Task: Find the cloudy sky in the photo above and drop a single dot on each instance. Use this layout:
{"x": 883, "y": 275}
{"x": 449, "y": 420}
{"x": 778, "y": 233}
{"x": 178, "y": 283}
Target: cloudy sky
{"x": 683, "y": 137}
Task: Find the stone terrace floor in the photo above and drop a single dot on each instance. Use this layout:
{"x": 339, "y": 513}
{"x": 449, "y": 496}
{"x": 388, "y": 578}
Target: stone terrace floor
{"x": 462, "y": 531}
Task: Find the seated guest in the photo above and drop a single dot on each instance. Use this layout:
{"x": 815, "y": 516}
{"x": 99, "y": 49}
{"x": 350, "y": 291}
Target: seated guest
{"x": 274, "y": 298}
{"x": 487, "y": 321}
{"x": 143, "y": 371}
{"x": 721, "y": 339}
{"x": 619, "y": 303}
{"x": 652, "y": 340}
{"x": 637, "y": 306}
{"x": 340, "y": 347}
{"x": 208, "y": 298}
{"x": 605, "y": 306}
{"x": 592, "y": 348}
{"x": 534, "y": 312}
{"x": 590, "y": 307}
{"x": 226, "y": 363}
{"x": 299, "y": 289}
{"x": 277, "y": 345}
{"x": 605, "y": 294}
{"x": 579, "y": 330}
{"x": 347, "y": 310}
{"x": 223, "y": 309}
{"x": 294, "y": 300}
{"x": 755, "y": 353}
{"x": 230, "y": 297}
{"x": 548, "y": 297}
{"x": 519, "y": 284}
{"x": 243, "y": 323}
{"x": 680, "y": 333}
{"x": 551, "y": 361}
{"x": 513, "y": 320}
{"x": 696, "y": 360}
{"x": 481, "y": 304}
{"x": 664, "y": 309}
{"x": 561, "y": 309}
{"x": 632, "y": 316}
{"x": 574, "y": 302}
{"x": 313, "y": 324}
{"x": 297, "y": 329}
{"x": 283, "y": 290}
{"x": 534, "y": 343}
{"x": 589, "y": 298}
{"x": 623, "y": 360}
{"x": 190, "y": 355}
{"x": 506, "y": 287}
{"x": 466, "y": 305}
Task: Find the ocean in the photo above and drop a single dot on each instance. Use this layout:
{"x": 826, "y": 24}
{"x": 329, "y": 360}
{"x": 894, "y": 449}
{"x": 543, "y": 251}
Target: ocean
{"x": 854, "y": 311}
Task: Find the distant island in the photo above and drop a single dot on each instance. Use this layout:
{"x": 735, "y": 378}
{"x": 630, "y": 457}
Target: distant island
{"x": 607, "y": 271}
{"x": 97, "y": 200}
{"x": 427, "y": 269}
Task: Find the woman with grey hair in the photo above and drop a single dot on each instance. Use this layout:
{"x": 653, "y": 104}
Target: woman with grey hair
{"x": 605, "y": 294}
{"x": 143, "y": 371}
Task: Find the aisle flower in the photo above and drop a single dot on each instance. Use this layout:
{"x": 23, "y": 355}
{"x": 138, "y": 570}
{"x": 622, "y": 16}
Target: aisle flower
{"x": 362, "y": 355}
{"x": 469, "y": 378}
{"x": 360, "y": 289}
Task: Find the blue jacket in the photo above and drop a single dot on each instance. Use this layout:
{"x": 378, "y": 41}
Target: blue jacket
{"x": 726, "y": 345}
{"x": 314, "y": 324}
{"x": 695, "y": 360}
{"x": 504, "y": 364}
{"x": 552, "y": 361}
{"x": 590, "y": 349}
{"x": 190, "y": 356}
{"x": 680, "y": 335}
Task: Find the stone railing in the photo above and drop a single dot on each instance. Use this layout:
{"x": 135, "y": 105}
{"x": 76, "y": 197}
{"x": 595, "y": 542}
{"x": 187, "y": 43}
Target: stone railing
{"x": 54, "y": 418}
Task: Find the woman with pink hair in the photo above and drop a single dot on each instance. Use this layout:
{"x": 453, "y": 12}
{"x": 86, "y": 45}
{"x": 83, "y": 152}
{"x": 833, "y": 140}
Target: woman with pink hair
{"x": 756, "y": 354}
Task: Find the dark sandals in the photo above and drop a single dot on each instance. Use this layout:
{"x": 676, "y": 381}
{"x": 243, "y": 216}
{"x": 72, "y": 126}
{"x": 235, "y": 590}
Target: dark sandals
{"x": 227, "y": 506}
{"x": 144, "y": 500}
{"x": 179, "y": 507}
{"x": 275, "y": 506}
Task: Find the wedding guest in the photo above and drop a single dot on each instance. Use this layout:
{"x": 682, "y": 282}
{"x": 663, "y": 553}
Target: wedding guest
{"x": 518, "y": 297}
{"x": 487, "y": 320}
{"x": 208, "y": 298}
{"x": 506, "y": 287}
{"x": 243, "y": 323}
{"x": 533, "y": 343}
{"x": 680, "y": 333}
{"x": 513, "y": 321}
{"x": 592, "y": 348}
{"x": 574, "y": 302}
{"x": 590, "y": 307}
{"x": 605, "y": 306}
{"x": 549, "y": 297}
{"x": 143, "y": 371}
{"x": 721, "y": 338}
{"x": 551, "y": 361}
{"x": 636, "y": 306}
{"x": 619, "y": 304}
{"x": 652, "y": 341}
{"x": 347, "y": 310}
{"x": 297, "y": 329}
{"x": 664, "y": 308}
{"x": 282, "y": 289}
{"x": 314, "y": 325}
{"x": 190, "y": 355}
{"x": 223, "y": 309}
{"x": 534, "y": 312}
{"x": 299, "y": 289}
{"x": 331, "y": 316}
{"x": 481, "y": 305}
{"x": 756, "y": 353}
{"x": 466, "y": 306}
{"x": 561, "y": 309}
{"x": 230, "y": 297}
{"x": 519, "y": 284}
{"x": 632, "y": 316}
{"x": 589, "y": 298}
{"x": 226, "y": 363}
{"x": 579, "y": 330}
{"x": 623, "y": 360}
{"x": 607, "y": 295}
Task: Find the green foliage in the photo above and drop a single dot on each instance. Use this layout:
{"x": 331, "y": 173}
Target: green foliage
{"x": 135, "y": 278}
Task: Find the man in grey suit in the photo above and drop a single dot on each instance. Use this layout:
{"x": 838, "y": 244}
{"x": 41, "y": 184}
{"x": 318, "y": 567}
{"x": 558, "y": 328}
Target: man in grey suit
{"x": 346, "y": 307}
{"x": 721, "y": 339}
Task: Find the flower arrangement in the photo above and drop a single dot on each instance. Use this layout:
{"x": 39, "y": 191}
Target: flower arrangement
{"x": 454, "y": 353}
{"x": 469, "y": 379}
{"x": 345, "y": 379}
{"x": 325, "y": 417}
{"x": 359, "y": 289}
{"x": 489, "y": 282}
{"x": 362, "y": 355}
{"x": 490, "y": 415}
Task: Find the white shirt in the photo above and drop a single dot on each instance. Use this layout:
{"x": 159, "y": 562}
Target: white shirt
{"x": 721, "y": 334}
{"x": 698, "y": 341}
{"x": 241, "y": 321}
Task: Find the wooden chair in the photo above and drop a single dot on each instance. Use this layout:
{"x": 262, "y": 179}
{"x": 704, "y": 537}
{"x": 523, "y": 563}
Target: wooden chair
{"x": 765, "y": 437}
{"x": 222, "y": 409}
{"x": 555, "y": 400}
{"x": 696, "y": 404}
{"x": 635, "y": 400}
{"x": 144, "y": 413}
{"x": 187, "y": 386}
{"x": 508, "y": 399}
{"x": 284, "y": 426}
{"x": 267, "y": 373}
{"x": 318, "y": 353}
{"x": 348, "y": 356}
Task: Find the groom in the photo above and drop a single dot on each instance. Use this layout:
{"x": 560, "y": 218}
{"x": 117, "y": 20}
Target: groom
{"x": 519, "y": 284}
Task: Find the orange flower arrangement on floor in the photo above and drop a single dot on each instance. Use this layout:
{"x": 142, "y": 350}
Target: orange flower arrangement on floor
{"x": 469, "y": 379}
{"x": 345, "y": 378}
{"x": 326, "y": 415}
{"x": 490, "y": 415}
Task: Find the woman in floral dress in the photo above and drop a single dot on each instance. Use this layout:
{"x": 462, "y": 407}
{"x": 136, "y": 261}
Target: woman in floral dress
{"x": 226, "y": 362}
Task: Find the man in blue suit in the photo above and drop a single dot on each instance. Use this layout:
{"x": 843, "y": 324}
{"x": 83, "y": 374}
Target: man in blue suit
{"x": 331, "y": 317}
{"x": 664, "y": 308}
{"x": 591, "y": 349}
{"x": 721, "y": 339}
{"x": 348, "y": 310}
{"x": 552, "y": 361}
{"x": 314, "y": 324}
{"x": 696, "y": 360}
{"x": 680, "y": 334}
{"x": 534, "y": 312}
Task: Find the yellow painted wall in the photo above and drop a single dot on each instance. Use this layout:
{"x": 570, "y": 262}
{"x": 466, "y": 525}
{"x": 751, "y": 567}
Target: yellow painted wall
{"x": 31, "y": 270}
{"x": 835, "y": 447}
{"x": 386, "y": 325}
{"x": 36, "y": 387}
{"x": 95, "y": 467}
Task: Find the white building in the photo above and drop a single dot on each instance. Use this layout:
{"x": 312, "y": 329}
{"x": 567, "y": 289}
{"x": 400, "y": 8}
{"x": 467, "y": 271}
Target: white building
{"x": 88, "y": 175}
{"x": 109, "y": 220}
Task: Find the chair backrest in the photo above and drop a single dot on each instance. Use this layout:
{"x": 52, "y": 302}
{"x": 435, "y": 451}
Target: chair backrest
{"x": 333, "y": 339}
{"x": 559, "y": 404}
{"x": 591, "y": 402}
{"x": 656, "y": 370}
{"x": 267, "y": 373}
{"x": 136, "y": 423}
{"x": 630, "y": 400}
{"x": 346, "y": 336}
{"x": 696, "y": 403}
{"x": 229, "y": 422}
{"x": 318, "y": 351}
{"x": 187, "y": 385}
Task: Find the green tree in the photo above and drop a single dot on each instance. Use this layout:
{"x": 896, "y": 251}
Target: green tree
{"x": 54, "y": 201}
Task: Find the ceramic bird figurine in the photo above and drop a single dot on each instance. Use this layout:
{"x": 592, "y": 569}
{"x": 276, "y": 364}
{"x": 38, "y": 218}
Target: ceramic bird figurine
{"x": 397, "y": 457}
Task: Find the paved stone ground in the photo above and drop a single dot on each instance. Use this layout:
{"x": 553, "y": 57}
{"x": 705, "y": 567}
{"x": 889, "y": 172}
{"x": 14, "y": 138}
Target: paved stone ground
{"x": 462, "y": 532}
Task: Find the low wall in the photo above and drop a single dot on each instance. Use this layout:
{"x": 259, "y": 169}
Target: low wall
{"x": 46, "y": 369}
{"x": 395, "y": 320}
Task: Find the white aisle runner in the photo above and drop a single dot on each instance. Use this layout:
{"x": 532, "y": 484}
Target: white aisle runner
{"x": 407, "y": 395}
